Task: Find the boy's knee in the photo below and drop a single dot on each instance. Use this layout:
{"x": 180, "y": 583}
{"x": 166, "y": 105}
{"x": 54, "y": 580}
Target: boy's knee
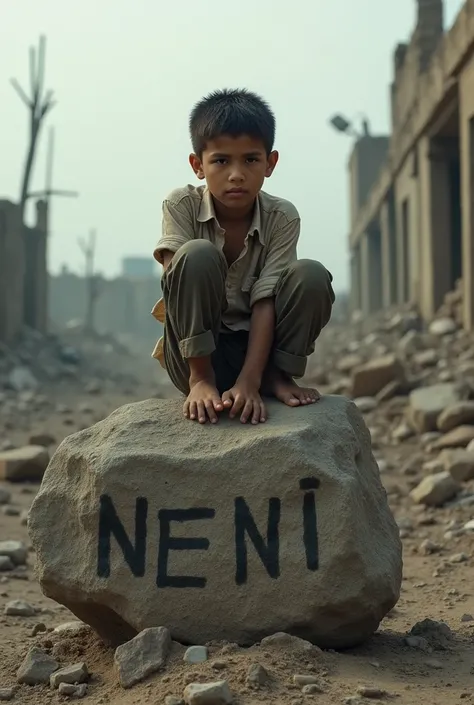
{"x": 198, "y": 253}
{"x": 310, "y": 277}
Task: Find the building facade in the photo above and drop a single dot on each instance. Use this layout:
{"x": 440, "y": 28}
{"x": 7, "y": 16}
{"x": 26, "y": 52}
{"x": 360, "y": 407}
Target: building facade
{"x": 412, "y": 194}
{"x": 23, "y": 273}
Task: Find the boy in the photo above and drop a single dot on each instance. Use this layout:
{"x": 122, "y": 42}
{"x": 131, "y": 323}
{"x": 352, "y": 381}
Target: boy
{"x": 242, "y": 312}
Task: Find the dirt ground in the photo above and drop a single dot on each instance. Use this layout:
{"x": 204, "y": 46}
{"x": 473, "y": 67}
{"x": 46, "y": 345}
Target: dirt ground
{"x": 438, "y": 586}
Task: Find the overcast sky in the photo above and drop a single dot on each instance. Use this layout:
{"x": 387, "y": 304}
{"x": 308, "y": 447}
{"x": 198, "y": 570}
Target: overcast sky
{"x": 127, "y": 72}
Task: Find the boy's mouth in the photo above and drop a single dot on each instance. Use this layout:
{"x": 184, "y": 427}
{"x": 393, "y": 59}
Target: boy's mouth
{"x": 236, "y": 192}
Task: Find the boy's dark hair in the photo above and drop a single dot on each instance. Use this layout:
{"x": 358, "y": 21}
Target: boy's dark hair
{"x": 231, "y": 112}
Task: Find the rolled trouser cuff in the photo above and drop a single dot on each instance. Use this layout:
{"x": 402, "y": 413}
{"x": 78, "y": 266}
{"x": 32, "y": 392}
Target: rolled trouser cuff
{"x": 293, "y": 365}
{"x": 201, "y": 345}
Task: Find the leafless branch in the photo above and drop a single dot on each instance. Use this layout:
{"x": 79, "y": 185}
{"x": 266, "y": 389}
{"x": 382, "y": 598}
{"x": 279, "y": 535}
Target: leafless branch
{"x": 39, "y": 105}
{"x": 20, "y": 92}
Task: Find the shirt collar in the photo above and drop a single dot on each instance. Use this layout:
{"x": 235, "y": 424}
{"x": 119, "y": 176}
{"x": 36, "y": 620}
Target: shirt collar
{"x": 207, "y": 212}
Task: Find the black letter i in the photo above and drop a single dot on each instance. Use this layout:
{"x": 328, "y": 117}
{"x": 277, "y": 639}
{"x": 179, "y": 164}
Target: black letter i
{"x": 310, "y": 533}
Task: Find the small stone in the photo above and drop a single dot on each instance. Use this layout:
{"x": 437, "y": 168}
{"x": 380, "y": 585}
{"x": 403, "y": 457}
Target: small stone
{"x": 305, "y": 679}
{"x": 435, "y": 490}
{"x": 5, "y": 564}
{"x": 219, "y": 665}
{"x": 459, "y": 463}
{"x": 366, "y": 404}
{"x": 7, "y": 694}
{"x": 370, "y": 378}
{"x": 456, "y": 415}
{"x": 459, "y": 437}
{"x": 5, "y": 496}
{"x": 217, "y": 693}
{"x": 15, "y": 550}
{"x": 42, "y": 439}
{"x": 426, "y": 358}
{"x": 429, "y": 547}
{"x": 443, "y": 326}
{"x": 467, "y": 618}
{"x": 171, "y": 700}
{"x": 10, "y": 511}
{"x": 282, "y": 640}
{"x": 77, "y": 673}
{"x": 24, "y": 517}
{"x": 437, "y": 634}
{"x": 74, "y": 626}
{"x": 146, "y": 653}
{"x": 312, "y": 689}
{"x": 417, "y": 642}
{"x": 73, "y": 691}
{"x": 196, "y": 654}
{"x": 257, "y": 676}
{"x": 371, "y": 692}
{"x": 24, "y": 464}
{"x": 38, "y": 628}
{"x": 403, "y": 432}
{"x": 458, "y": 558}
{"x": 36, "y": 668}
{"x": 469, "y": 525}
{"x": 434, "y": 664}
{"x": 19, "y": 608}
{"x": 348, "y": 362}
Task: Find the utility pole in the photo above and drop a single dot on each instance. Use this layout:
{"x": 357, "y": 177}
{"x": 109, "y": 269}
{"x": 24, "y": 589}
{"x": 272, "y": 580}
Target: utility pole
{"x": 91, "y": 279}
{"x": 39, "y": 104}
{"x": 48, "y": 190}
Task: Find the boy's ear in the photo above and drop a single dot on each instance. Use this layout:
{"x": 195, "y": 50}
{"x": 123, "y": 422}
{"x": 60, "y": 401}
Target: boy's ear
{"x": 272, "y": 160}
{"x": 196, "y": 165}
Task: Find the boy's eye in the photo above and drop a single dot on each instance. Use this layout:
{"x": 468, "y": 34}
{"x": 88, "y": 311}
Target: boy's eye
{"x": 252, "y": 160}
{"x": 220, "y": 161}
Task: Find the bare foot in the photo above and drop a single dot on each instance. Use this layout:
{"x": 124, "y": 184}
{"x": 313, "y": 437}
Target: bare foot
{"x": 203, "y": 402}
{"x": 287, "y": 391}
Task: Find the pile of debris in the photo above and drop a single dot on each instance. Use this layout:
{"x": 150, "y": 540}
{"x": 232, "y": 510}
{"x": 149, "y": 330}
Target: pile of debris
{"x": 452, "y": 306}
{"x": 40, "y": 372}
{"x": 414, "y": 385}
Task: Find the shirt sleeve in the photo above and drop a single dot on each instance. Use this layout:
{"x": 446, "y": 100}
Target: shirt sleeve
{"x": 281, "y": 252}
{"x": 177, "y": 227}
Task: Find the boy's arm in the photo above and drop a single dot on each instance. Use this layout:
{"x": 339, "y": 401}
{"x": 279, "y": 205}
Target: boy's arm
{"x": 281, "y": 252}
{"x": 166, "y": 257}
{"x": 177, "y": 229}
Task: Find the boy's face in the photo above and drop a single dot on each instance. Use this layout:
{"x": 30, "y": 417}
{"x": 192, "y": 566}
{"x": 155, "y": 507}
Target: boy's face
{"x": 234, "y": 168}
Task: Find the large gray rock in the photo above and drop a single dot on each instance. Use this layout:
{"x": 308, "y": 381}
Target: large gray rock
{"x": 220, "y": 532}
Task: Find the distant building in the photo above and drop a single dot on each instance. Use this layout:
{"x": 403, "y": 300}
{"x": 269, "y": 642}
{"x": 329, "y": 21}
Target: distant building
{"x": 412, "y": 207}
{"x": 139, "y": 267}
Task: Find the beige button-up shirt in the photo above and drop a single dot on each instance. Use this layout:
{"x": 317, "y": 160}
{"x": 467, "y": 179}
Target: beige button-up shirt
{"x": 270, "y": 246}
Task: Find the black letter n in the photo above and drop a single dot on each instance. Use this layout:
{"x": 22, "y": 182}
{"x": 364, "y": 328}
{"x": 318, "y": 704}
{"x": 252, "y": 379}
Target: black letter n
{"x": 109, "y": 523}
{"x": 269, "y": 552}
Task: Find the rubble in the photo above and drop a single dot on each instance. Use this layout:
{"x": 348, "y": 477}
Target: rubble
{"x": 37, "y": 667}
{"x": 420, "y": 424}
{"x": 37, "y": 367}
{"x": 144, "y": 654}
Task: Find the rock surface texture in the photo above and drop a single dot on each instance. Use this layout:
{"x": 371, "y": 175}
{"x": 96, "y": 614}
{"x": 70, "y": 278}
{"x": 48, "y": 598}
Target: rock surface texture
{"x": 220, "y": 532}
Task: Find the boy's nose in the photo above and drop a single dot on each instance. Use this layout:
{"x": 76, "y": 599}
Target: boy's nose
{"x": 236, "y": 176}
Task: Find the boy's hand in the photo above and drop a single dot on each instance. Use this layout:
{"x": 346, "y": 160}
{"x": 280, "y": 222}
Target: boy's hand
{"x": 245, "y": 397}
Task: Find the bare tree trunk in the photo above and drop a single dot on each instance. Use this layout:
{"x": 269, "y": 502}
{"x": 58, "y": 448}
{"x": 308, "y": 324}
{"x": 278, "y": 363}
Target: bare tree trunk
{"x": 91, "y": 280}
{"x": 30, "y": 157}
{"x": 39, "y": 106}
